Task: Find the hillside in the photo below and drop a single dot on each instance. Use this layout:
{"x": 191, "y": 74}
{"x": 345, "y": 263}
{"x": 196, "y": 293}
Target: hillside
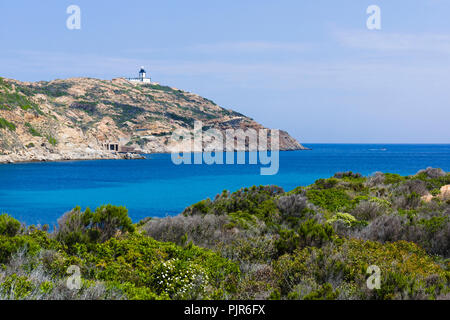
{"x": 313, "y": 242}
{"x": 76, "y": 118}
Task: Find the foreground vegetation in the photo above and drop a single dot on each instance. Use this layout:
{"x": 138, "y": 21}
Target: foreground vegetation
{"x": 313, "y": 242}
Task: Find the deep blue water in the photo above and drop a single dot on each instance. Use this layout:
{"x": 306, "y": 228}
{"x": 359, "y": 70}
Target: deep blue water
{"x": 41, "y": 192}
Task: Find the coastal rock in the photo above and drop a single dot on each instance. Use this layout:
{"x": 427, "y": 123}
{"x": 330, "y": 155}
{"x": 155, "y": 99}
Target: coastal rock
{"x": 444, "y": 194}
{"x": 427, "y": 198}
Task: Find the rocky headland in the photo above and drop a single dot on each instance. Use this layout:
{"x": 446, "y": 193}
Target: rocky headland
{"x": 85, "y": 118}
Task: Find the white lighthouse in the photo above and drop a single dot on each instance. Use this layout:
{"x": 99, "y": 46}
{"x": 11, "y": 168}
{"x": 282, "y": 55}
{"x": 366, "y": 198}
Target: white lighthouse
{"x": 142, "y": 74}
{"x": 142, "y": 77}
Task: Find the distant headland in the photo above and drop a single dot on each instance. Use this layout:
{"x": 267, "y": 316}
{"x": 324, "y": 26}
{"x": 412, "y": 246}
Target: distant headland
{"x": 86, "y": 118}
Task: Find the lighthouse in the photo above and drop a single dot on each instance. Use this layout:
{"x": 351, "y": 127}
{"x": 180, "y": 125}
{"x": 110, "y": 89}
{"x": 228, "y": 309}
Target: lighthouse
{"x": 142, "y": 74}
{"x": 142, "y": 77}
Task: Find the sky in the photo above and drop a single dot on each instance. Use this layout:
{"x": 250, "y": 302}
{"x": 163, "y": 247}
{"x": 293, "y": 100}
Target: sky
{"x": 312, "y": 68}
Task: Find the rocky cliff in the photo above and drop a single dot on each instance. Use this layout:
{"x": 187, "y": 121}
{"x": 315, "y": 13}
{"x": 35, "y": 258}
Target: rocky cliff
{"x": 81, "y": 118}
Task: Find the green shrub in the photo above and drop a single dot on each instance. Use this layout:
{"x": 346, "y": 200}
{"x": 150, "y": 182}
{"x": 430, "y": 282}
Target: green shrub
{"x": 258, "y": 201}
{"x": 109, "y": 220}
{"x": 433, "y": 224}
{"x": 167, "y": 270}
{"x": 393, "y": 178}
{"x": 310, "y": 233}
{"x": 26, "y": 107}
{"x": 331, "y": 199}
{"x": 89, "y": 227}
{"x": 201, "y": 207}
{"x": 5, "y": 124}
{"x": 346, "y": 218}
{"x": 12, "y": 99}
{"x": 326, "y": 183}
{"x": 8, "y": 225}
{"x": 404, "y": 266}
{"x": 16, "y": 287}
{"x": 11, "y": 245}
{"x": 32, "y": 131}
{"x": 74, "y": 227}
{"x": 243, "y": 219}
{"x": 435, "y": 192}
{"x": 52, "y": 140}
{"x": 325, "y": 292}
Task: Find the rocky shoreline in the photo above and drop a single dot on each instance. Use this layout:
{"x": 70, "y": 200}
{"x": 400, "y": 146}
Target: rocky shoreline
{"x": 83, "y": 156}
{"x": 52, "y": 157}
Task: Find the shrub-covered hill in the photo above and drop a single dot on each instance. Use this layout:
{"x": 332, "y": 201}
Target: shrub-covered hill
{"x": 73, "y": 118}
{"x": 313, "y": 242}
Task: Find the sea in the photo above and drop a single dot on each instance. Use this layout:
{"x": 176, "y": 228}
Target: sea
{"x": 39, "y": 193}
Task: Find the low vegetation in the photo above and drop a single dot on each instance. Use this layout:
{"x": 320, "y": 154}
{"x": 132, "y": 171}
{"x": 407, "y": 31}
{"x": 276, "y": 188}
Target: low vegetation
{"x": 5, "y": 124}
{"x": 32, "y": 130}
{"x": 314, "y": 242}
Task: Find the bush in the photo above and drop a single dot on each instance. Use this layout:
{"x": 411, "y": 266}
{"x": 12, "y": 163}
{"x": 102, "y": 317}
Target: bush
{"x": 205, "y": 231}
{"x": 325, "y": 292}
{"x": 32, "y": 130}
{"x": 326, "y": 183}
{"x": 99, "y": 226}
{"x": 348, "y": 174}
{"x": 258, "y": 201}
{"x": 376, "y": 179}
{"x": 8, "y": 225}
{"x": 336, "y": 268}
{"x": 310, "y": 233}
{"x": 407, "y": 201}
{"x": 110, "y": 221}
{"x": 386, "y": 228}
{"x": 330, "y": 199}
{"x": 31, "y": 243}
{"x": 293, "y": 205}
{"x": 368, "y": 210}
{"x": 52, "y": 140}
{"x": 5, "y": 124}
{"x": 167, "y": 270}
{"x": 393, "y": 178}
{"x": 28, "y": 277}
{"x": 345, "y": 218}
{"x": 413, "y": 186}
{"x": 74, "y": 227}
{"x": 432, "y": 173}
{"x": 16, "y": 287}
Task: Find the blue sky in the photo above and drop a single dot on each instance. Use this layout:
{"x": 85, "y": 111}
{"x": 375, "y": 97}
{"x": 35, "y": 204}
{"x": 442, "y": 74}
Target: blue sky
{"x": 309, "y": 67}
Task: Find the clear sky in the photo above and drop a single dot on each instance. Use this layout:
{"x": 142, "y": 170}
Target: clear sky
{"x": 309, "y": 67}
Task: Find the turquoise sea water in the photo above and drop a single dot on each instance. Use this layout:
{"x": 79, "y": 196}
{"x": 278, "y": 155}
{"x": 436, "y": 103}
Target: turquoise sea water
{"x": 42, "y": 192}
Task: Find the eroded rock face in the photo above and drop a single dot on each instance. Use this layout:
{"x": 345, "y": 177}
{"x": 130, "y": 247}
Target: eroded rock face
{"x": 427, "y": 198}
{"x": 445, "y": 193}
{"x": 74, "y": 119}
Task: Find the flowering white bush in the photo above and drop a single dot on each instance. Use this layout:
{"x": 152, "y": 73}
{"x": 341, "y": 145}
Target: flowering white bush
{"x": 181, "y": 280}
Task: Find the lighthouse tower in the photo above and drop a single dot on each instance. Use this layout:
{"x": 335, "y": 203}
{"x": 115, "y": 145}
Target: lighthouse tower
{"x": 142, "y": 74}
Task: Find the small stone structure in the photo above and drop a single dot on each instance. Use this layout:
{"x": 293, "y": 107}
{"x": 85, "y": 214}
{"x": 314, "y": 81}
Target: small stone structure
{"x": 111, "y": 146}
{"x": 117, "y": 147}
